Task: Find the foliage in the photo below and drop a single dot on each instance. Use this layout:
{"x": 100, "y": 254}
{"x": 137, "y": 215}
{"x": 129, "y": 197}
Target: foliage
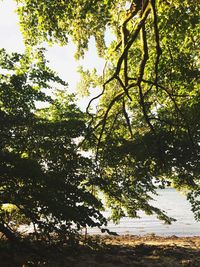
{"x": 41, "y": 170}
{"x": 147, "y": 123}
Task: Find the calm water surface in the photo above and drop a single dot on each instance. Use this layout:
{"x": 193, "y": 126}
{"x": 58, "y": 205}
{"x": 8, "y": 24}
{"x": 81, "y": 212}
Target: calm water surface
{"x": 175, "y": 205}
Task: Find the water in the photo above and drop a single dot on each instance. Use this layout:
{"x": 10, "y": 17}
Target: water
{"x": 175, "y": 205}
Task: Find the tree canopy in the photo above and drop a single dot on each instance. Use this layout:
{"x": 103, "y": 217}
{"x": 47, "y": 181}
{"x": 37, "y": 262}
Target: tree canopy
{"x": 147, "y": 118}
{"x": 43, "y": 175}
{"x": 145, "y": 132}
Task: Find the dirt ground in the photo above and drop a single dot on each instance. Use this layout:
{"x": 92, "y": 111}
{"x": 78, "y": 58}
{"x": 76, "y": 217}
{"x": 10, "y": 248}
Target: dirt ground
{"x": 109, "y": 251}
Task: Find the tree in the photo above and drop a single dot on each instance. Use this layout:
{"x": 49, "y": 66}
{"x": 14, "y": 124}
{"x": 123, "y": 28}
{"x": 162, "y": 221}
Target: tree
{"x": 148, "y": 112}
{"x": 44, "y": 178}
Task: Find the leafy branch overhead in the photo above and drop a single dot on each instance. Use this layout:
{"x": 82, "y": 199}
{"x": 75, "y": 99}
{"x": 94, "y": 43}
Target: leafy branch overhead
{"x": 143, "y": 30}
{"x": 145, "y": 131}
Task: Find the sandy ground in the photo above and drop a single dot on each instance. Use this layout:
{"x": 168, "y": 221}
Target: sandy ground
{"x": 108, "y": 251}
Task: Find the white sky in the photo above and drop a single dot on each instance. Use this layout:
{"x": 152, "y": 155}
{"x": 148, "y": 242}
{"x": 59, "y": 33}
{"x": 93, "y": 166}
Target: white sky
{"x": 61, "y": 58}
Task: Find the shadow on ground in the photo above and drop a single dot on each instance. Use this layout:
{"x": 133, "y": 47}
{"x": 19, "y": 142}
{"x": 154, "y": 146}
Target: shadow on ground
{"x": 137, "y": 252}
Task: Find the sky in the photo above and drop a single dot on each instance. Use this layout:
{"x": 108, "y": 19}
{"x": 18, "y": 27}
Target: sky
{"x": 61, "y": 59}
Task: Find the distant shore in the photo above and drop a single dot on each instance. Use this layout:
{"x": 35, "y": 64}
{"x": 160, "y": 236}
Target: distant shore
{"x": 112, "y": 251}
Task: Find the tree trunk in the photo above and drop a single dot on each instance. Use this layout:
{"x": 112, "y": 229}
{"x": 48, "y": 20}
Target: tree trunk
{"x": 9, "y": 234}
